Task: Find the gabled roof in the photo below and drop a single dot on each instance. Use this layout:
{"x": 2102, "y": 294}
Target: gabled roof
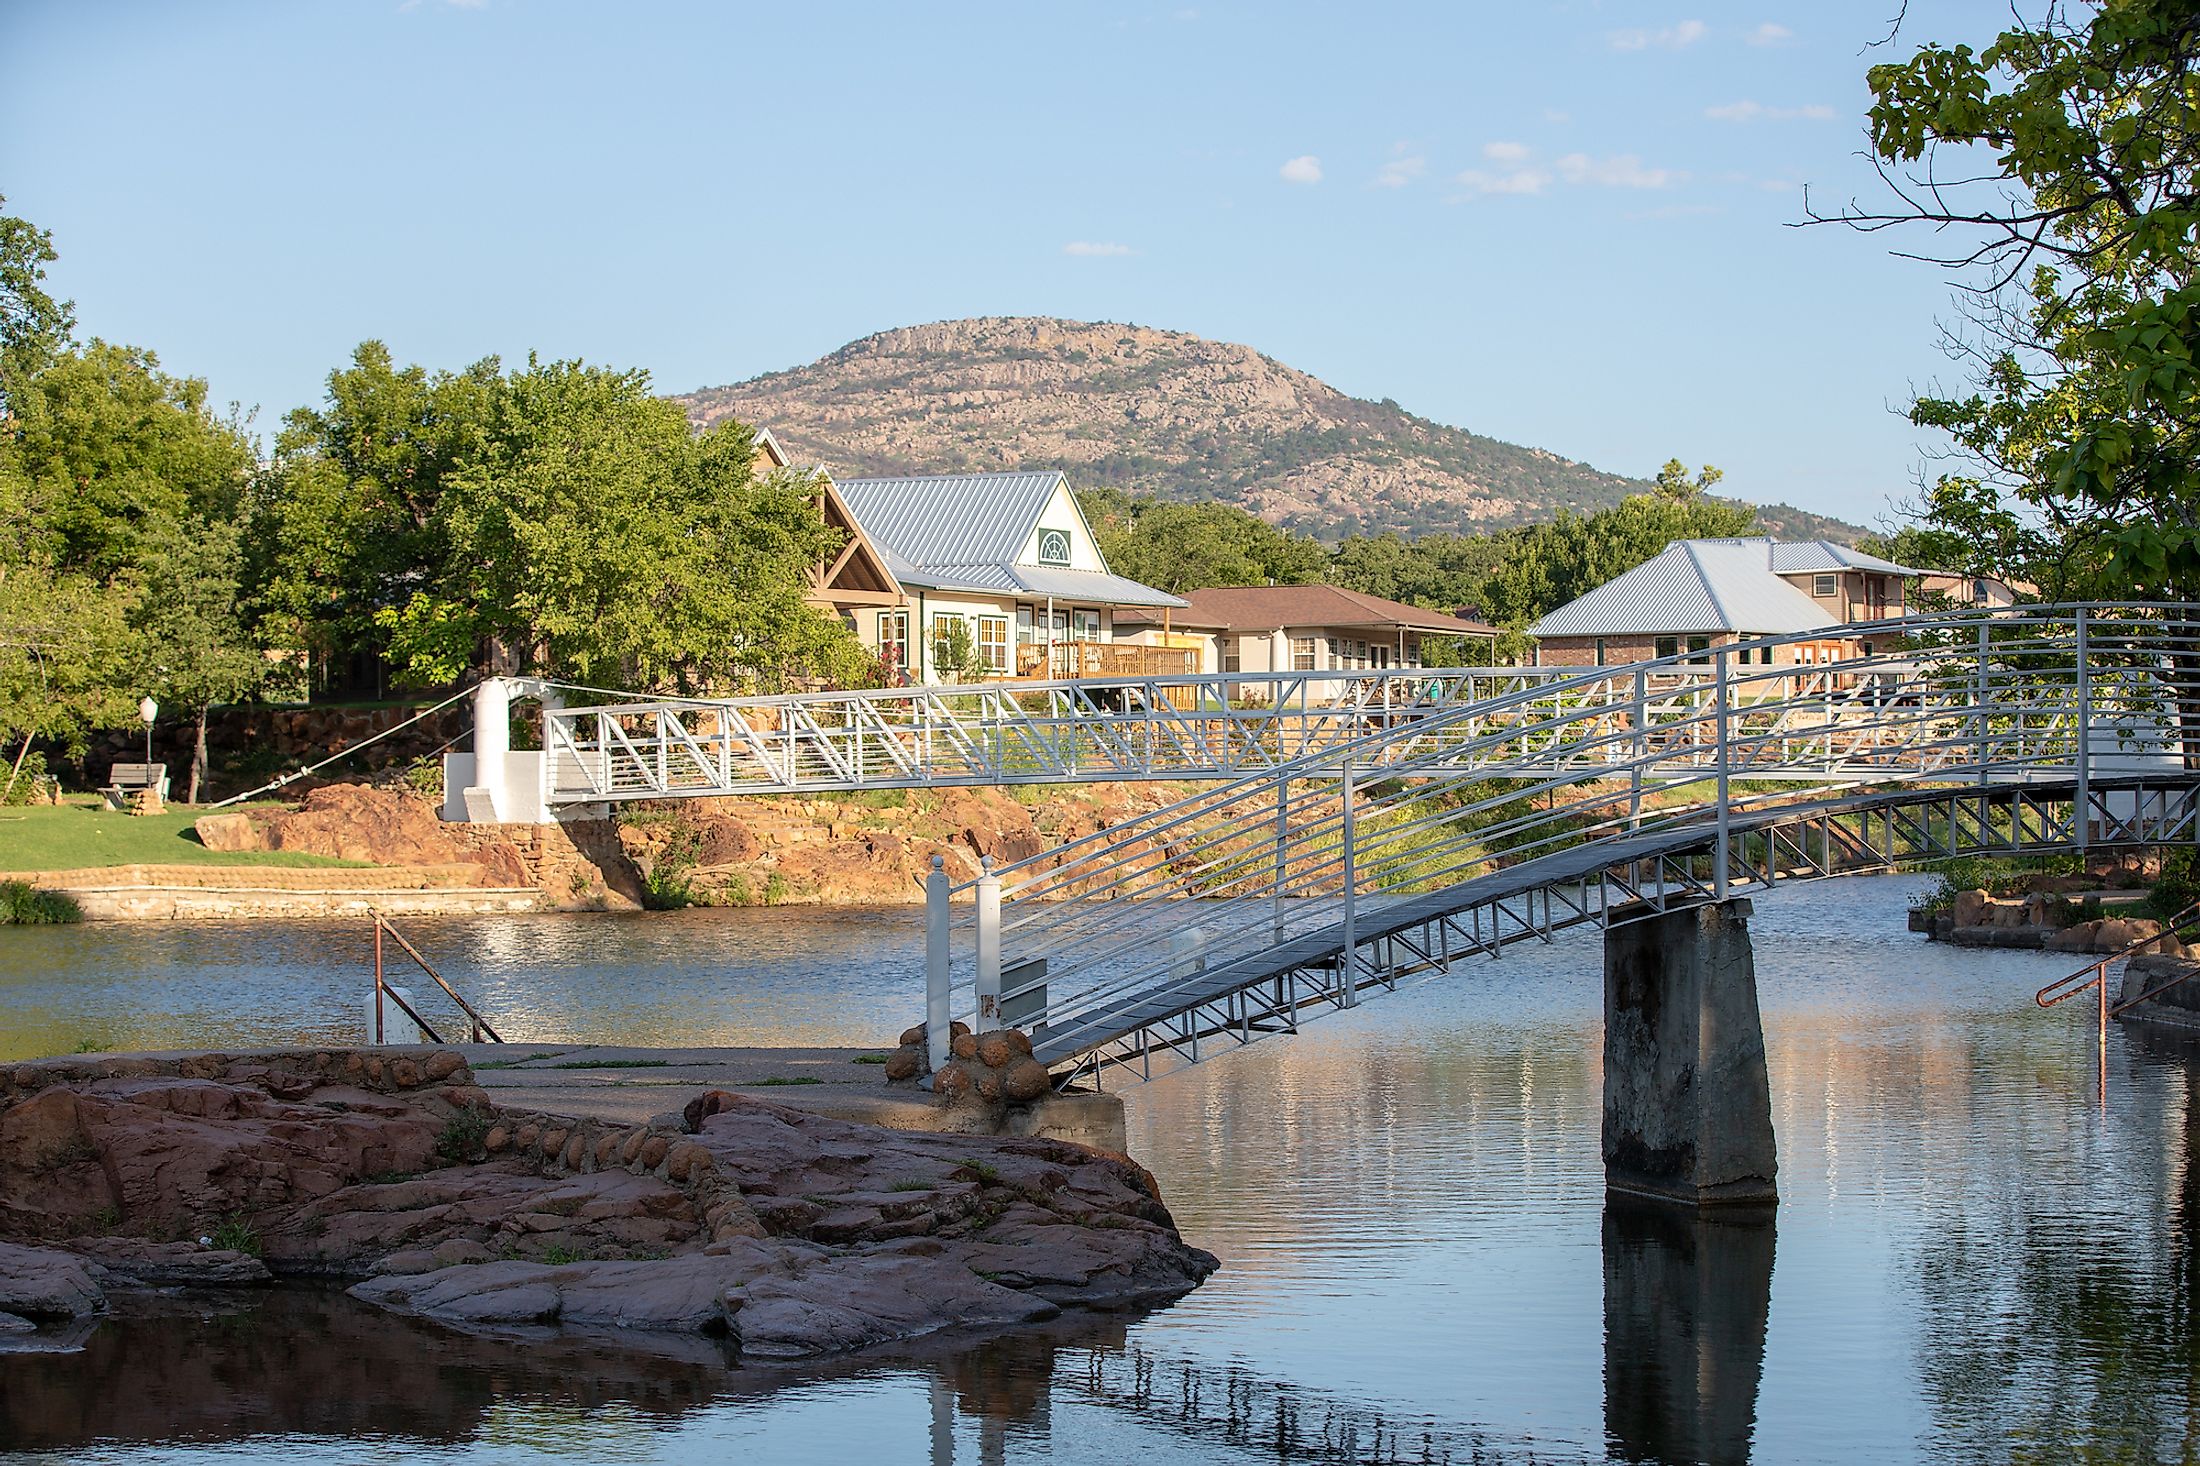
{"x": 953, "y": 519}
{"x": 970, "y": 531}
{"x": 1266, "y": 607}
{"x": 1691, "y": 586}
{"x": 1805, "y": 557}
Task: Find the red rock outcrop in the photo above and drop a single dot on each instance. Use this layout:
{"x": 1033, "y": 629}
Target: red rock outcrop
{"x": 786, "y": 1232}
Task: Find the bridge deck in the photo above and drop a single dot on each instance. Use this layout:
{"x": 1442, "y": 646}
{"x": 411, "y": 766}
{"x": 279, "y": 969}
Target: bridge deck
{"x": 1078, "y": 1033}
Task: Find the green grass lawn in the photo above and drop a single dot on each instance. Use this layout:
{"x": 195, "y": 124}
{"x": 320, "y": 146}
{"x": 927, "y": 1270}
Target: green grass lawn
{"x": 81, "y": 835}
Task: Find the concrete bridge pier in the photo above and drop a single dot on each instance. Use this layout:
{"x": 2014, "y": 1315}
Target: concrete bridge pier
{"x": 1687, "y": 1105}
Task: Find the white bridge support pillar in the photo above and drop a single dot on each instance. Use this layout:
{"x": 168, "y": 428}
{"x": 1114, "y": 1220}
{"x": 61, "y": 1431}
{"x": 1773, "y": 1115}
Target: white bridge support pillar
{"x": 1687, "y": 1104}
{"x": 488, "y": 797}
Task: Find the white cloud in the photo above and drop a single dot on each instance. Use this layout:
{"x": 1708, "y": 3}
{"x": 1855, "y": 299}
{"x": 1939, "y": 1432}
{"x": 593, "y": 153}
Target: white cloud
{"x": 1748, "y": 111}
{"x": 1669, "y": 38}
{"x": 1306, "y": 168}
{"x": 1092, "y": 248}
{"x": 1771, "y": 34}
{"x": 1621, "y": 170}
{"x": 1505, "y": 152}
{"x": 1557, "y": 118}
{"x": 1518, "y": 181}
{"x": 1399, "y": 172}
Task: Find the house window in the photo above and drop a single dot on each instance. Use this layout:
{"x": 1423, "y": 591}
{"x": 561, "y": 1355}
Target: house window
{"x": 1302, "y": 653}
{"x": 1600, "y": 651}
{"x": 950, "y": 638}
{"x": 1084, "y": 625}
{"x": 1053, "y": 547}
{"x": 1764, "y": 654}
{"x": 1233, "y": 654}
{"x": 993, "y": 642}
{"x": 1823, "y": 586}
{"x": 1697, "y": 646}
{"x": 1669, "y": 646}
{"x": 893, "y": 638}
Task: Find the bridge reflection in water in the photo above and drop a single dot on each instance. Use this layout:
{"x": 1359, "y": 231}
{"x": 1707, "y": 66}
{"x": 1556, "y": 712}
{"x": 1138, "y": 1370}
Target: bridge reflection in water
{"x": 1686, "y": 1304}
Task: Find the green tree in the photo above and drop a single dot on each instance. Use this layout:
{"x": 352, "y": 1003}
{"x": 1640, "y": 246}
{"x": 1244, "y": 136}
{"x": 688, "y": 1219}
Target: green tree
{"x": 346, "y": 522}
{"x": 595, "y": 536}
{"x": 194, "y": 641}
{"x": 1438, "y": 572}
{"x": 1550, "y": 564}
{"x": 2064, "y": 159}
{"x": 34, "y": 327}
{"x": 1181, "y": 547}
{"x": 66, "y": 660}
{"x": 109, "y": 452}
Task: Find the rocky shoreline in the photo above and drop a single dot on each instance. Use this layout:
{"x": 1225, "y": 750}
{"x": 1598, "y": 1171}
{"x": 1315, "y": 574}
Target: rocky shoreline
{"x": 770, "y": 1233}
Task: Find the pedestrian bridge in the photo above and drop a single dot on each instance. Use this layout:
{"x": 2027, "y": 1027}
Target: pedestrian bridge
{"x": 1604, "y": 796}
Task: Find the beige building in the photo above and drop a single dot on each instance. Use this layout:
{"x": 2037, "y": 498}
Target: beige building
{"x": 1000, "y": 572}
{"x": 1310, "y": 628}
{"x": 1699, "y": 594}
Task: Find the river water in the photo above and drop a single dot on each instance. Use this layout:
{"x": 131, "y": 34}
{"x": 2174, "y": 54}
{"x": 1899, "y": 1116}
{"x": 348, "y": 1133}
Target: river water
{"x": 1972, "y": 1259}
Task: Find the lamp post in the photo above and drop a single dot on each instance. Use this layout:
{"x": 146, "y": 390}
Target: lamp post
{"x": 148, "y": 710}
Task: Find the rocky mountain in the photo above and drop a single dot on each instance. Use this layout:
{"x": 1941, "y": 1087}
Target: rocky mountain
{"x": 1164, "y": 413}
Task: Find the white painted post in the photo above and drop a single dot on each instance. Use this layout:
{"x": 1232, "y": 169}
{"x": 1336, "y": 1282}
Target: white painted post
{"x": 938, "y": 1019}
{"x": 492, "y": 742}
{"x": 989, "y": 949}
{"x": 2084, "y": 812}
{"x": 1718, "y": 869}
{"x": 1348, "y": 960}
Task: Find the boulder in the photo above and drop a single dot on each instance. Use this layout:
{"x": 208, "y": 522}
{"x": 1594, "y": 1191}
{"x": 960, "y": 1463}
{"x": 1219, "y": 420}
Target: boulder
{"x": 1026, "y": 1080}
{"x": 228, "y": 833}
{"x": 995, "y": 1051}
{"x": 1969, "y": 908}
{"x": 905, "y": 1063}
{"x": 165, "y": 1264}
{"x": 36, "y": 1283}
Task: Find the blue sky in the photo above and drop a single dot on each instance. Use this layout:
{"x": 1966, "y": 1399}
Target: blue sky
{"x": 1560, "y": 224}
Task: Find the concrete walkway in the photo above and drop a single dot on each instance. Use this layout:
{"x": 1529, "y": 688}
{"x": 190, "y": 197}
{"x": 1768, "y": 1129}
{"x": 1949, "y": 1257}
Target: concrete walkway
{"x": 631, "y": 1086}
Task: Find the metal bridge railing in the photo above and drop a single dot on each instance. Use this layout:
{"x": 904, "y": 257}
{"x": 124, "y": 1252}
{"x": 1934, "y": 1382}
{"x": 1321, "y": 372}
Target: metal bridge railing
{"x": 1143, "y": 909}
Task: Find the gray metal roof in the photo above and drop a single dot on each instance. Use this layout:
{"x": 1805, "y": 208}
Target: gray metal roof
{"x": 1691, "y": 586}
{"x": 1085, "y": 587}
{"x": 953, "y": 519}
{"x": 969, "y": 531}
{"x": 1805, "y": 557}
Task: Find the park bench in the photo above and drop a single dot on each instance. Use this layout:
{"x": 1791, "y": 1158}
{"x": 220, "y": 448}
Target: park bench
{"x": 126, "y": 781}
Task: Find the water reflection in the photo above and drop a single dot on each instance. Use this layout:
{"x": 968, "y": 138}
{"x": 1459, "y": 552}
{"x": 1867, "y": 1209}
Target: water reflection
{"x": 1686, "y": 1298}
{"x": 1974, "y": 1262}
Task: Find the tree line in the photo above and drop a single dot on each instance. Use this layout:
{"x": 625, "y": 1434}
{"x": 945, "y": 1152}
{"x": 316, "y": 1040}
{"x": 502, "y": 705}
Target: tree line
{"x": 556, "y": 517}
{"x": 1508, "y": 578}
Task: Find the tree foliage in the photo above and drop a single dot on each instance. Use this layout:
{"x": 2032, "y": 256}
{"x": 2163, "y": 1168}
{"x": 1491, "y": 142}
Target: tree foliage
{"x": 580, "y": 527}
{"x": 1180, "y": 547}
{"x": 2065, "y": 160}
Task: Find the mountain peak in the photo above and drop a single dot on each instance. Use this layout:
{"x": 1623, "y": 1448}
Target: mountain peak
{"x": 1156, "y": 412}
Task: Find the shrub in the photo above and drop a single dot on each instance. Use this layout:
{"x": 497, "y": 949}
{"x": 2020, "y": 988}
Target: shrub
{"x": 235, "y": 1234}
{"x": 463, "y": 1134}
{"x": 31, "y": 783}
{"x": 22, "y": 904}
{"x": 2179, "y": 885}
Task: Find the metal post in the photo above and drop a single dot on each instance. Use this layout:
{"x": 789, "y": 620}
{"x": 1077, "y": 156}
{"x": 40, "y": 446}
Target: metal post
{"x": 989, "y": 948}
{"x": 1978, "y": 699}
{"x": 377, "y": 1035}
{"x": 938, "y": 1020}
{"x": 1283, "y": 838}
{"x": 1348, "y": 960}
{"x": 1718, "y": 870}
{"x": 2084, "y": 810}
{"x": 2100, "y": 979}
